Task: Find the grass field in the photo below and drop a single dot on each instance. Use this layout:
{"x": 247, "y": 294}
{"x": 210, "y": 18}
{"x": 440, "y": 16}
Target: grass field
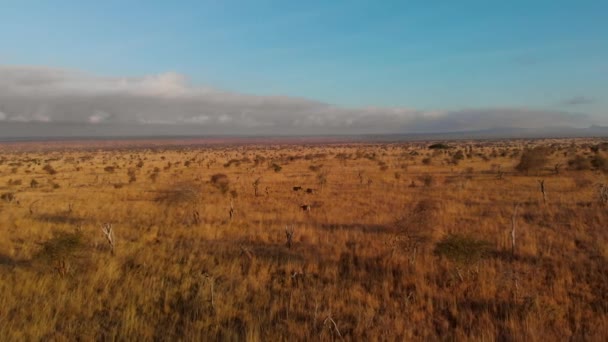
{"x": 394, "y": 241}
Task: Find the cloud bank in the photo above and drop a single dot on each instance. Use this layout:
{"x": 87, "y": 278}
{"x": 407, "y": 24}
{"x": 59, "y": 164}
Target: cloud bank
{"x": 46, "y": 101}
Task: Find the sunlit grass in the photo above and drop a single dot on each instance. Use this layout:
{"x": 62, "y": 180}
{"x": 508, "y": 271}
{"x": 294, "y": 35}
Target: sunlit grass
{"x": 425, "y": 255}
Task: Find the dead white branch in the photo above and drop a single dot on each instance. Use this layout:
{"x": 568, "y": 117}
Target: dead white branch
{"x": 106, "y": 228}
{"x": 333, "y": 326}
{"x": 289, "y": 235}
{"x": 513, "y": 228}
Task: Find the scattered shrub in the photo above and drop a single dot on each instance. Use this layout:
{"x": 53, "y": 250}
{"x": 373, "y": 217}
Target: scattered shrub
{"x": 458, "y": 156}
{"x": 383, "y": 166}
{"x": 220, "y": 181}
{"x": 600, "y": 163}
{"x": 315, "y": 168}
{"x": 427, "y": 180}
{"x": 579, "y": 163}
{"x": 533, "y": 159}
{"x": 61, "y": 250}
{"x": 14, "y": 182}
{"x": 462, "y": 249}
{"x": 179, "y": 193}
{"x": 132, "y": 176}
{"x": 322, "y": 178}
{"x": 236, "y": 162}
{"x": 439, "y": 146}
{"x": 49, "y": 169}
{"x": 7, "y": 197}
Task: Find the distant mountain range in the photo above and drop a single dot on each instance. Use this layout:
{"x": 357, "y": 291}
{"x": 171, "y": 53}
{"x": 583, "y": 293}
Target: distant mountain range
{"x": 15, "y": 131}
{"x": 503, "y": 133}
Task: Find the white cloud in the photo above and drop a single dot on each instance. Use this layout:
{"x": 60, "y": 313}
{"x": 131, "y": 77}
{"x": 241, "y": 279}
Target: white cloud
{"x": 99, "y": 116}
{"x": 39, "y": 94}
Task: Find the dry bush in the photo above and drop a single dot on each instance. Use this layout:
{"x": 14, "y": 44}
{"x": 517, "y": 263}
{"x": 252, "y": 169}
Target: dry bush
{"x": 427, "y": 179}
{"x": 534, "y": 159}
{"x": 8, "y": 197}
{"x": 579, "y": 163}
{"x": 221, "y": 182}
{"x": 14, "y": 182}
{"x": 49, "y": 169}
{"x": 382, "y": 165}
{"x": 439, "y": 146}
{"x": 457, "y": 157}
{"x": 179, "y": 193}
{"x": 132, "y": 176}
{"x": 600, "y": 163}
{"x": 463, "y": 249}
{"x": 416, "y": 227}
{"x": 315, "y": 168}
{"x": 276, "y": 167}
{"x": 61, "y": 251}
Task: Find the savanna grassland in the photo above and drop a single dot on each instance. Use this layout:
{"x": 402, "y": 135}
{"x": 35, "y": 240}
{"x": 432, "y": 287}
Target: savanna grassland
{"x": 270, "y": 242}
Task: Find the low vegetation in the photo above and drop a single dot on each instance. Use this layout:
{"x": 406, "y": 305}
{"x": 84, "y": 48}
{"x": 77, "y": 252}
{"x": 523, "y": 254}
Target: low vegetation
{"x": 491, "y": 240}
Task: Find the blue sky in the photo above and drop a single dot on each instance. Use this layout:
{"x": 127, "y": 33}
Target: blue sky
{"x": 428, "y": 55}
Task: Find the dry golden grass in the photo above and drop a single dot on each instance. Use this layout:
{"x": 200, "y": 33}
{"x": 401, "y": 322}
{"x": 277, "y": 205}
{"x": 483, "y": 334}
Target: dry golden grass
{"x": 401, "y": 242}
